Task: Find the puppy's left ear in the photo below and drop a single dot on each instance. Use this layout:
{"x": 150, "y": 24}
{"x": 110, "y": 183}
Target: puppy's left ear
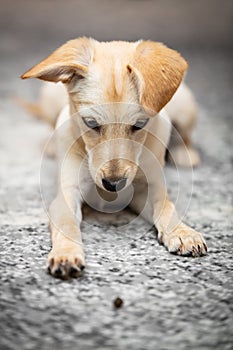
{"x": 71, "y": 58}
{"x": 157, "y": 72}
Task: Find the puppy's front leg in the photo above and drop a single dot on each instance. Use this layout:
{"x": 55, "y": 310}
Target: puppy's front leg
{"x": 174, "y": 234}
{"x": 66, "y": 258}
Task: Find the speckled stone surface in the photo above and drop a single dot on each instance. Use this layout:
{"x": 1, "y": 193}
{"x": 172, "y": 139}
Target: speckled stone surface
{"x": 169, "y": 302}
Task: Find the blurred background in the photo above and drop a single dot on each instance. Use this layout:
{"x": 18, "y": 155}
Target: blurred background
{"x": 169, "y": 302}
{"x": 190, "y": 24}
{"x": 29, "y": 30}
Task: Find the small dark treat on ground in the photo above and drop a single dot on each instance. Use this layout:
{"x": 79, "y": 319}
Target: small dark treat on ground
{"x": 118, "y": 302}
{"x": 133, "y": 245}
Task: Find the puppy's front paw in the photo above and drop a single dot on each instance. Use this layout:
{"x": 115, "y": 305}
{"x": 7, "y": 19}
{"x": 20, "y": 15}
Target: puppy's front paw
{"x": 184, "y": 241}
{"x": 65, "y": 264}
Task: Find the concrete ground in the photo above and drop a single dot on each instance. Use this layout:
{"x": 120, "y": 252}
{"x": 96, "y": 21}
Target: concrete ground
{"x": 170, "y": 302}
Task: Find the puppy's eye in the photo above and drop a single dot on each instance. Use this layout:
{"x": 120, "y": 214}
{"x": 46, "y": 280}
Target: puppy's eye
{"x": 140, "y": 123}
{"x": 91, "y": 123}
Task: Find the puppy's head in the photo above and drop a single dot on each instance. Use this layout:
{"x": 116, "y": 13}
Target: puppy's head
{"x": 115, "y": 90}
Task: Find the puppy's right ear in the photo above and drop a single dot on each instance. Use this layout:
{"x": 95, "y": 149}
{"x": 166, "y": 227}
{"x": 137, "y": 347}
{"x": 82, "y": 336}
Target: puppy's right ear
{"x": 157, "y": 72}
{"x": 71, "y": 58}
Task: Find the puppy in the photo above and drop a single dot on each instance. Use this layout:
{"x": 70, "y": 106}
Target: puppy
{"x": 112, "y": 137}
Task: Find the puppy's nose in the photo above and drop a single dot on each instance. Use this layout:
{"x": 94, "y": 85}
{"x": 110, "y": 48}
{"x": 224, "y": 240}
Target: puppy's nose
{"x": 114, "y": 184}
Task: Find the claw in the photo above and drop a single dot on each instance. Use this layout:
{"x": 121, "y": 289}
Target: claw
{"x": 58, "y": 272}
{"x": 195, "y": 252}
{"x": 82, "y": 267}
{"x": 205, "y": 246}
{"x": 73, "y": 271}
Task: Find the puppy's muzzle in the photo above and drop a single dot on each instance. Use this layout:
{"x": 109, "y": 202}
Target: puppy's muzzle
{"x": 114, "y": 184}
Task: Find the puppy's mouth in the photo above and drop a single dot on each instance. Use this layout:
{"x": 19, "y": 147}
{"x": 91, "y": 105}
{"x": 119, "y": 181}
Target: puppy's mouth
{"x": 114, "y": 184}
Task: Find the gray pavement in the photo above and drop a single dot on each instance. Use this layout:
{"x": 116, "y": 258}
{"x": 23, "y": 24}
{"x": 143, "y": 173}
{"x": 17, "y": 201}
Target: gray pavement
{"x": 170, "y": 302}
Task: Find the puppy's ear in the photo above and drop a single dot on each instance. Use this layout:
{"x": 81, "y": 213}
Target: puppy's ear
{"x": 157, "y": 72}
{"x": 69, "y": 59}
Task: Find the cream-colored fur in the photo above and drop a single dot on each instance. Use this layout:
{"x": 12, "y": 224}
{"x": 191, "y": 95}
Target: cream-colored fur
{"x": 115, "y": 85}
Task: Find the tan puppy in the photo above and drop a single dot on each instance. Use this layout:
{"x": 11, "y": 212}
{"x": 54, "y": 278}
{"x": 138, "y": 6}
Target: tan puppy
{"x": 114, "y": 133}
